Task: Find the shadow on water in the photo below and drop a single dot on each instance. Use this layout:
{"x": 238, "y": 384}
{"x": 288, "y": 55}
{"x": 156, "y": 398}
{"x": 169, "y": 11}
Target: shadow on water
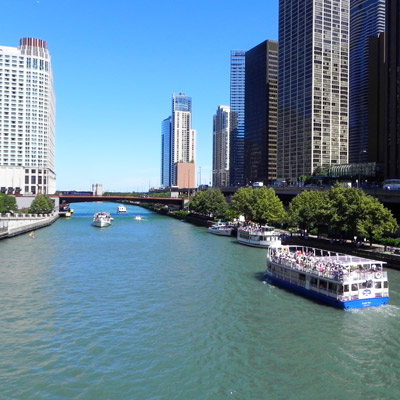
{"x": 259, "y": 276}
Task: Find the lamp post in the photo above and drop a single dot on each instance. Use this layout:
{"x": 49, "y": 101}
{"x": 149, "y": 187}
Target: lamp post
{"x": 359, "y": 167}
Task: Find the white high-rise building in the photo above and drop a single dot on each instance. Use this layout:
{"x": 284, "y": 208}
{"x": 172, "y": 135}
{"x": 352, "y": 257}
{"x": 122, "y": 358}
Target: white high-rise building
{"x": 27, "y": 119}
{"x": 221, "y": 146}
{"x": 183, "y": 145}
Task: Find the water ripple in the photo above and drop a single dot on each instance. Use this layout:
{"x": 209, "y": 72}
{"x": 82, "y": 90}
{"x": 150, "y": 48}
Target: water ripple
{"x": 163, "y": 310}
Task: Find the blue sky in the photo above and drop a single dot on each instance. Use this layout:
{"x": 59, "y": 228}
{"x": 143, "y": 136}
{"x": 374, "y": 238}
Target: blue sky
{"x": 116, "y": 64}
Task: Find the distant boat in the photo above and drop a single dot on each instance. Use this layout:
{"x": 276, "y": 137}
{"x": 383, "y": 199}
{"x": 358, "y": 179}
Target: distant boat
{"x": 102, "y": 219}
{"x": 221, "y": 229}
{"x": 121, "y": 209}
{"x": 138, "y": 218}
{"x": 258, "y": 236}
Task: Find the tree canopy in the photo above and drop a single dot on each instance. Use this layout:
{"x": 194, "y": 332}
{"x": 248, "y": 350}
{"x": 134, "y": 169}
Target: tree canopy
{"x": 344, "y": 210}
{"x": 376, "y": 219}
{"x": 42, "y": 204}
{"x": 308, "y": 210}
{"x": 209, "y": 202}
{"x": 7, "y": 203}
{"x": 259, "y": 205}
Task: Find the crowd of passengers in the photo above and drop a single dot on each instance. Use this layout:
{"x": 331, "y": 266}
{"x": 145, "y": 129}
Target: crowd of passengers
{"x": 327, "y": 267}
{"x": 255, "y": 228}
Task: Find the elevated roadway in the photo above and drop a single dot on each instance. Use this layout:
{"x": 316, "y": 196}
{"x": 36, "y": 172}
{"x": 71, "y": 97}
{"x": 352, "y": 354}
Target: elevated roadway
{"x": 286, "y": 193}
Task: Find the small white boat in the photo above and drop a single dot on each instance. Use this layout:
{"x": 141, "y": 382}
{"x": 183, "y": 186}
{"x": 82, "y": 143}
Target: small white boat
{"x": 221, "y": 229}
{"x": 138, "y": 218}
{"x": 258, "y": 236}
{"x": 102, "y": 219}
{"x": 121, "y": 209}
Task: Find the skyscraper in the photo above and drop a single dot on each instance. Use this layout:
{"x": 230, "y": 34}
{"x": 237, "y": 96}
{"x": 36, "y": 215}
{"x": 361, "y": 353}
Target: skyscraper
{"x": 237, "y": 118}
{"x": 261, "y": 112}
{"x": 392, "y": 168}
{"x": 27, "y": 118}
{"x": 313, "y": 86}
{"x": 166, "y": 152}
{"x": 367, "y": 19}
{"x": 183, "y": 142}
{"x": 221, "y": 129}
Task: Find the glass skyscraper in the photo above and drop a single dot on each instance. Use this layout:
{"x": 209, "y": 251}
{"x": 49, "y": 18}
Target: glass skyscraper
{"x": 313, "y": 86}
{"x": 237, "y": 118}
{"x": 166, "y": 152}
{"x": 367, "y": 19}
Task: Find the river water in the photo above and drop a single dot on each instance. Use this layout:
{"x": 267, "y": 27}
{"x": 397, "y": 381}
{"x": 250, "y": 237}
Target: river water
{"x": 160, "y": 309}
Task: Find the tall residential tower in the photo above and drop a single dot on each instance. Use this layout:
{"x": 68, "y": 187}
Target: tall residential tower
{"x": 261, "y": 112}
{"x": 27, "y": 119}
{"x": 367, "y": 19}
{"x": 221, "y": 127}
{"x": 313, "y": 86}
{"x": 392, "y": 168}
{"x": 179, "y": 145}
{"x": 237, "y": 118}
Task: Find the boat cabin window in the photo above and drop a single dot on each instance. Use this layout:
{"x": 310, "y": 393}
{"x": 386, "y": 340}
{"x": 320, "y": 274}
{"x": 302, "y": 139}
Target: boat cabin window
{"x": 386, "y": 284}
{"x": 332, "y": 286}
{"x": 346, "y": 288}
{"x": 378, "y": 285}
{"x": 323, "y": 284}
{"x": 340, "y": 289}
{"x": 314, "y": 281}
{"x": 354, "y": 287}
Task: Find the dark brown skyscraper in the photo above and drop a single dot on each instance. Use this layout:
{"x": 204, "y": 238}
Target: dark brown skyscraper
{"x": 261, "y": 112}
{"x": 377, "y": 100}
{"x": 392, "y": 168}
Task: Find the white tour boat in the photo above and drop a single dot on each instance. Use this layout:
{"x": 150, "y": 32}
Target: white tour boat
{"x": 121, "y": 209}
{"x": 338, "y": 279}
{"x": 221, "y": 229}
{"x": 102, "y": 219}
{"x": 258, "y": 236}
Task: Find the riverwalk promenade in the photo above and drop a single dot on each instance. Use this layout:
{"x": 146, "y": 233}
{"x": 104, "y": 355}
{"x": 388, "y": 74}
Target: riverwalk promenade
{"x": 19, "y": 223}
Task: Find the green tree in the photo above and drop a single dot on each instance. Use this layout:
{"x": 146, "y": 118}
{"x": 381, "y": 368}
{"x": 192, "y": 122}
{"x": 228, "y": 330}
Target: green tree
{"x": 259, "y": 205}
{"x": 308, "y": 210}
{"x": 42, "y": 204}
{"x": 344, "y": 209}
{"x": 376, "y": 219}
{"x": 353, "y": 212}
{"x": 243, "y": 203}
{"x": 209, "y": 202}
{"x": 7, "y": 203}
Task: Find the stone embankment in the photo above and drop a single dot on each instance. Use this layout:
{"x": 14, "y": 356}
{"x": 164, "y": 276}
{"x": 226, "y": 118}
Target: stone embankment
{"x": 18, "y": 223}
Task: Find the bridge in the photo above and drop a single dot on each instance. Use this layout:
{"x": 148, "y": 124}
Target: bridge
{"x": 169, "y": 201}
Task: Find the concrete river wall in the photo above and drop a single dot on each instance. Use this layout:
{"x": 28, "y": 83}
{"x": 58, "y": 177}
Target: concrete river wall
{"x": 16, "y": 224}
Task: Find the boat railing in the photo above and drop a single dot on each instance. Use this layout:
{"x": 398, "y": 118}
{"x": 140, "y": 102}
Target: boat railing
{"x": 334, "y": 274}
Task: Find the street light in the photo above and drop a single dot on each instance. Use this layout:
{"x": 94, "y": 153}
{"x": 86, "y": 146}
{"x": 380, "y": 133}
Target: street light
{"x": 359, "y": 167}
